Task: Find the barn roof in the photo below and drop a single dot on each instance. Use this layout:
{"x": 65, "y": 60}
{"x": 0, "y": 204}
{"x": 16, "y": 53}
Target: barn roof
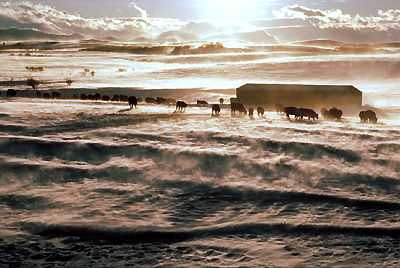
{"x": 348, "y": 88}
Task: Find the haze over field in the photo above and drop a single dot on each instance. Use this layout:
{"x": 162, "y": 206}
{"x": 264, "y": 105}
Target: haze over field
{"x": 93, "y": 183}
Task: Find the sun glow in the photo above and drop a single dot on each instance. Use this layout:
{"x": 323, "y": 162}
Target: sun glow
{"x": 237, "y": 10}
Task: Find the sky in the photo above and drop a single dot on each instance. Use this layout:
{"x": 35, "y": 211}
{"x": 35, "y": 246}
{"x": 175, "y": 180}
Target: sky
{"x": 260, "y": 21}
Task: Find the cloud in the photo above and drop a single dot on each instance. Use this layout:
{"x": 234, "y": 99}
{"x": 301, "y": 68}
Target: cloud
{"x": 49, "y": 19}
{"x": 385, "y": 20}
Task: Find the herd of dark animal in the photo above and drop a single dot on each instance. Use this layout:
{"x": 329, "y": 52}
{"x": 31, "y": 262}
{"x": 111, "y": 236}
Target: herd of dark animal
{"x": 298, "y": 113}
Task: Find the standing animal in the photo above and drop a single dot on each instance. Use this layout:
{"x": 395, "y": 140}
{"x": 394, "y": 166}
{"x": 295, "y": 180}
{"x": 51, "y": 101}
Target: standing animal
{"x": 235, "y": 106}
{"x": 132, "y": 100}
{"x": 150, "y": 100}
{"x": 251, "y": 112}
{"x": 11, "y": 92}
{"x": 180, "y": 106}
{"x": 280, "y": 109}
{"x": 215, "y": 109}
{"x": 368, "y": 116}
{"x": 291, "y": 111}
{"x": 260, "y": 111}
{"x": 160, "y": 100}
{"x": 201, "y": 103}
{"x": 46, "y": 95}
{"x": 333, "y": 113}
{"x": 105, "y": 98}
{"x": 83, "y": 97}
{"x": 56, "y": 95}
{"x": 311, "y": 114}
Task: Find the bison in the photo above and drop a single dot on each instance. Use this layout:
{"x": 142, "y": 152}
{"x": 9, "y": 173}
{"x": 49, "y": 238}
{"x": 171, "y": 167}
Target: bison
{"x": 260, "y": 111}
{"x": 46, "y": 95}
{"x": 160, "y": 100}
{"x": 311, "y": 114}
{"x": 292, "y": 111}
{"x": 331, "y": 114}
{"x": 180, "y": 106}
{"x": 215, "y": 109}
{"x": 368, "y": 116}
{"x": 235, "y": 106}
{"x": 11, "y": 92}
{"x": 56, "y": 95}
{"x": 150, "y": 100}
{"x": 132, "y": 101}
{"x": 105, "y": 98}
{"x": 201, "y": 103}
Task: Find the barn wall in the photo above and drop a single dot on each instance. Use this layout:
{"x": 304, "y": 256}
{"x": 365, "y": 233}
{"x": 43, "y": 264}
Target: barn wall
{"x": 314, "y": 97}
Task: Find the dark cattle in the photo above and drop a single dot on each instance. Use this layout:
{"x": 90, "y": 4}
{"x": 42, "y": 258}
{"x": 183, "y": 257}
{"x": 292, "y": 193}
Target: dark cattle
{"x": 132, "y": 101}
{"x": 331, "y": 114}
{"x": 251, "y": 112}
{"x": 292, "y": 111}
{"x": 115, "y": 98}
{"x": 83, "y": 97}
{"x": 91, "y": 97}
{"x": 105, "y": 98}
{"x": 123, "y": 98}
{"x": 215, "y": 109}
{"x": 11, "y": 92}
{"x": 150, "y": 100}
{"x": 202, "y": 103}
{"x": 238, "y": 107}
{"x": 46, "y": 96}
{"x": 221, "y": 100}
{"x": 160, "y": 100}
{"x": 311, "y": 114}
{"x": 260, "y": 111}
{"x": 233, "y": 100}
{"x": 368, "y": 116}
{"x": 97, "y": 96}
{"x": 280, "y": 109}
{"x": 56, "y": 95}
{"x": 180, "y": 106}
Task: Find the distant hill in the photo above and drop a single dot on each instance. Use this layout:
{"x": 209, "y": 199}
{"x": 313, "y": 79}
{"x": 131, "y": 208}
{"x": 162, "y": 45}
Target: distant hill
{"x": 15, "y": 34}
{"x": 319, "y": 43}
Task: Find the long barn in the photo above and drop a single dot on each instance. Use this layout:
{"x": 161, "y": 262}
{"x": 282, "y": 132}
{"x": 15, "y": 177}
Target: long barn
{"x": 307, "y": 96}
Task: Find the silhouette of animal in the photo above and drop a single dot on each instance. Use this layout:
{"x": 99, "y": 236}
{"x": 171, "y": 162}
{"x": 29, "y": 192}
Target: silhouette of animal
{"x": 235, "y": 106}
{"x": 38, "y": 94}
{"x": 83, "y": 96}
{"x": 311, "y": 114}
{"x": 291, "y": 111}
{"x": 11, "y": 92}
{"x": 150, "y": 100}
{"x": 132, "y": 101}
{"x": 201, "y": 103}
{"x": 260, "y": 111}
{"x": 105, "y": 98}
{"x": 280, "y": 109}
{"x": 56, "y": 95}
{"x": 46, "y": 95}
{"x": 180, "y": 106}
{"x": 115, "y": 98}
{"x": 331, "y": 114}
{"x": 251, "y": 112}
{"x": 368, "y": 116}
{"x": 160, "y": 100}
{"x": 215, "y": 109}
{"x": 123, "y": 98}
{"x": 97, "y": 96}
{"x": 221, "y": 100}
